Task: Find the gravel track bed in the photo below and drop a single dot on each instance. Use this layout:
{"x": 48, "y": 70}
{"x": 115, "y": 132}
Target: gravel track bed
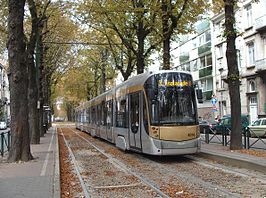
{"x": 101, "y": 177}
{"x": 175, "y": 176}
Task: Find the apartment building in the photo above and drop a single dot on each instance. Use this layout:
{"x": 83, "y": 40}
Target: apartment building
{"x": 203, "y": 54}
{"x": 4, "y": 94}
{"x": 194, "y": 53}
{"x": 251, "y": 54}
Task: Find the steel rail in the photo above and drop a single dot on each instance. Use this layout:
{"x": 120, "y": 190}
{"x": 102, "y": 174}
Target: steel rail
{"x": 73, "y": 159}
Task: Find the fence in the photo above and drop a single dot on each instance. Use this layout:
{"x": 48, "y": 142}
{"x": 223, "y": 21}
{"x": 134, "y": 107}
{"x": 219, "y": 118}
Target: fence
{"x": 250, "y": 139}
{"x": 5, "y": 141}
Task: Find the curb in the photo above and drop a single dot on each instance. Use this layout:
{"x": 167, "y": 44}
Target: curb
{"x": 56, "y": 184}
{"x": 239, "y": 161}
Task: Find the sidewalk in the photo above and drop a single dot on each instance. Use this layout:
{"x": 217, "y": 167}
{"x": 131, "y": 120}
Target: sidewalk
{"x": 36, "y": 178}
{"x": 222, "y": 153}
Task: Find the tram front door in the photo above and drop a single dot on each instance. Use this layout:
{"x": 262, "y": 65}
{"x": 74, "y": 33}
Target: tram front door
{"x": 134, "y": 121}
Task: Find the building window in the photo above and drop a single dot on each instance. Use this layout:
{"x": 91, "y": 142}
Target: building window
{"x": 253, "y": 100}
{"x": 206, "y": 84}
{"x": 249, "y": 16}
{"x": 194, "y": 43}
{"x": 185, "y": 67}
{"x": 208, "y": 36}
{"x": 201, "y": 39}
{"x": 252, "y": 86}
{"x": 221, "y": 82}
{"x": 251, "y": 54}
{"x": 219, "y": 51}
{"x": 194, "y": 65}
{"x": 217, "y": 29}
{"x": 220, "y": 64}
{"x": 205, "y": 61}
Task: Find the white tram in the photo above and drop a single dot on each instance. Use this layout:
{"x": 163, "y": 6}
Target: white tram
{"x": 153, "y": 113}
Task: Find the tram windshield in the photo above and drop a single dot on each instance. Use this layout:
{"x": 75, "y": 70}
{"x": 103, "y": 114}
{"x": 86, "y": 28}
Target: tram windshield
{"x": 171, "y": 99}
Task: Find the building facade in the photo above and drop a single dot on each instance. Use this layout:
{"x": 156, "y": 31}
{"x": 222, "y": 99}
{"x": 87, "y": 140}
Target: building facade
{"x": 194, "y": 53}
{"x": 251, "y": 55}
{"x": 4, "y": 94}
{"x": 203, "y": 54}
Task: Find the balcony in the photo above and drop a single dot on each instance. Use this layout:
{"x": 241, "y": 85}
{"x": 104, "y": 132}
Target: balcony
{"x": 207, "y": 71}
{"x": 261, "y": 69}
{"x": 204, "y": 48}
{"x": 260, "y": 65}
{"x": 260, "y": 23}
{"x": 184, "y": 57}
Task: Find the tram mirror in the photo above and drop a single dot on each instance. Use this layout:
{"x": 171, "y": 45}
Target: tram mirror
{"x": 199, "y": 95}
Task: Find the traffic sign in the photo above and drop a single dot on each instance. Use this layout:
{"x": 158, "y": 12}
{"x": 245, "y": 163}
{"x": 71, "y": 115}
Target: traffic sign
{"x": 213, "y": 101}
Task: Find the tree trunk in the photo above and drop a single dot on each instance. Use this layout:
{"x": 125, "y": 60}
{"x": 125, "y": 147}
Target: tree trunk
{"x": 140, "y": 55}
{"x": 41, "y": 76}
{"x": 33, "y": 98}
{"x": 33, "y": 90}
{"x": 233, "y": 75}
{"x": 141, "y": 39}
{"x": 103, "y": 70}
{"x": 166, "y": 36}
{"x": 20, "y": 137}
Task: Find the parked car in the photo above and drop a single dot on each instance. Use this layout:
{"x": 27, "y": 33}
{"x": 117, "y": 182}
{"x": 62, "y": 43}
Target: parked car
{"x": 225, "y": 124}
{"x": 59, "y": 119}
{"x": 258, "y": 128}
{"x": 205, "y": 124}
{"x": 3, "y": 125}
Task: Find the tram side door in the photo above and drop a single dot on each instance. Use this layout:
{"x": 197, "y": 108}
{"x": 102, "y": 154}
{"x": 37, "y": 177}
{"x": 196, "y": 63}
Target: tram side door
{"x": 134, "y": 121}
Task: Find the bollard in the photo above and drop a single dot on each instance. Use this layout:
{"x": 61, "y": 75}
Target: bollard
{"x": 248, "y": 136}
{"x": 245, "y": 137}
{"x": 206, "y": 132}
{"x": 8, "y": 140}
{"x": 2, "y": 144}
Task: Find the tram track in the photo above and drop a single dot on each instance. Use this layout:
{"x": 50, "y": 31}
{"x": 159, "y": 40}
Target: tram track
{"x": 183, "y": 171}
{"x": 87, "y": 190}
{"x": 73, "y": 160}
{"x": 123, "y": 167}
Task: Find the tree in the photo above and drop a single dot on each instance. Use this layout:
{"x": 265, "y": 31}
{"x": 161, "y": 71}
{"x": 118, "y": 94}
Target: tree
{"x": 132, "y": 22}
{"x": 18, "y": 79}
{"x": 32, "y": 86}
{"x": 233, "y": 77}
{"x": 177, "y": 17}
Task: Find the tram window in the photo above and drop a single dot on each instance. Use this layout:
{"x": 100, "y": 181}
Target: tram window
{"x": 93, "y": 115}
{"x": 145, "y": 117}
{"x": 109, "y": 115}
{"x": 103, "y": 112}
{"x": 121, "y": 114}
{"x": 134, "y": 112}
{"x": 99, "y": 114}
{"x": 88, "y": 114}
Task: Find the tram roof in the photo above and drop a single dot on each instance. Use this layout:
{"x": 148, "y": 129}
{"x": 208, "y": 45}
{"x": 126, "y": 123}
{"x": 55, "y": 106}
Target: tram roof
{"x": 134, "y": 81}
{"x": 140, "y": 79}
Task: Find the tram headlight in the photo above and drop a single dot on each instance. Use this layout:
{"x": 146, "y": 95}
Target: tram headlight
{"x": 154, "y": 132}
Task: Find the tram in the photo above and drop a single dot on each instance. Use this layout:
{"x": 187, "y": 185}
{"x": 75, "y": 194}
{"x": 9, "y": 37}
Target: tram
{"x": 153, "y": 113}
